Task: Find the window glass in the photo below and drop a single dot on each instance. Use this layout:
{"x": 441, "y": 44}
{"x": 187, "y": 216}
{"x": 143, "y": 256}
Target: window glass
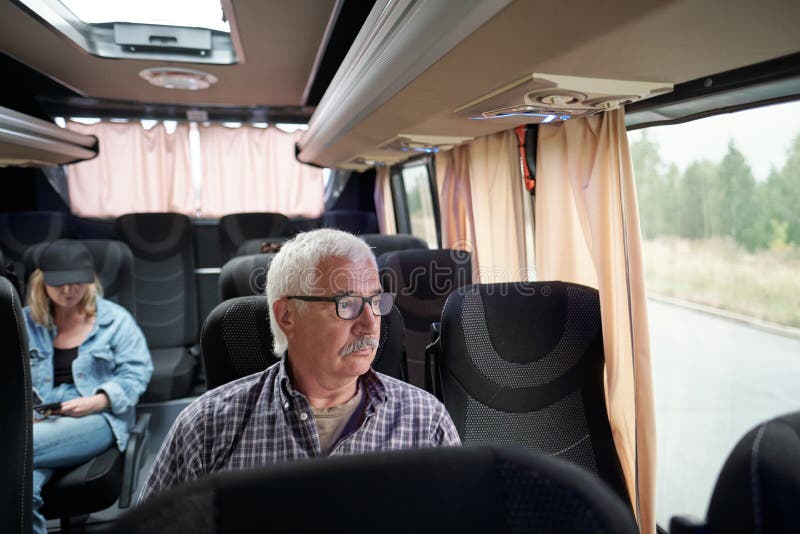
{"x": 420, "y": 204}
{"x": 188, "y": 13}
{"x": 718, "y": 203}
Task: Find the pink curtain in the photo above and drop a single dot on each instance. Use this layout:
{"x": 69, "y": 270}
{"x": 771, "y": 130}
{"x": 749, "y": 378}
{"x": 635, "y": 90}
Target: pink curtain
{"x": 136, "y": 170}
{"x": 383, "y": 201}
{"x": 254, "y": 169}
{"x": 587, "y": 231}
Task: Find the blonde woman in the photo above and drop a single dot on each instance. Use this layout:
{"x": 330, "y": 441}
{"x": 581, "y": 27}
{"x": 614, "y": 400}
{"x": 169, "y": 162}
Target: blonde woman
{"x": 89, "y": 362}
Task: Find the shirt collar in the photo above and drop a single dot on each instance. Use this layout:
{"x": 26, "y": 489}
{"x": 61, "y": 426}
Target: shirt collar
{"x": 374, "y": 388}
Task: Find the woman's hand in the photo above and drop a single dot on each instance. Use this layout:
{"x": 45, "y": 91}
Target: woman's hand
{"x": 82, "y": 406}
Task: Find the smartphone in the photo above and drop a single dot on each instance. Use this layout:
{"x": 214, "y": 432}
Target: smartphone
{"x": 47, "y": 409}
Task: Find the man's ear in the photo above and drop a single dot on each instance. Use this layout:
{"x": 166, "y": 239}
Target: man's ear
{"x": 284, "y": 315}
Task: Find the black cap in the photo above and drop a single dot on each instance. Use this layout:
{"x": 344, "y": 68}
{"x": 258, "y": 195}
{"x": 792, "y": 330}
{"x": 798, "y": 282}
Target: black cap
{"x": 65, "y": 262}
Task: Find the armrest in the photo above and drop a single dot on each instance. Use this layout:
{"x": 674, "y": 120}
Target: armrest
{"x": 132, "y": 460}
{"x": 687, "y": 525}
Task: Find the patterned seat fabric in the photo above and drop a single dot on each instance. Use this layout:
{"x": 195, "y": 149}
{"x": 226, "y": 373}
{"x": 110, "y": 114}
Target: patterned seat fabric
{"x": 523, "y": 363}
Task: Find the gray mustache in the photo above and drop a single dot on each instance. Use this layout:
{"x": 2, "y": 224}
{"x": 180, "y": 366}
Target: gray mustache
{"x": 359, "y": 344}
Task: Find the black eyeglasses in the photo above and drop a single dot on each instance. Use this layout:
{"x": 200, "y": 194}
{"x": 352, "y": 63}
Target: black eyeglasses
{"x": 349, "y": 307}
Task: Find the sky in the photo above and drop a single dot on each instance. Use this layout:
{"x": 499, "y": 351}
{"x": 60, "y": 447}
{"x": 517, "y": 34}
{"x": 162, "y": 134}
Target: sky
{"x": 763, "y": 135}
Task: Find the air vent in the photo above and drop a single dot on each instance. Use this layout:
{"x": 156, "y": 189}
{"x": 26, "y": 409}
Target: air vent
{"x": 425, "y": 144}
{"x": 542, "y": 98}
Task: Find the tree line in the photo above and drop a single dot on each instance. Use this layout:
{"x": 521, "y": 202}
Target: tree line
{"x": 718, "y": 199}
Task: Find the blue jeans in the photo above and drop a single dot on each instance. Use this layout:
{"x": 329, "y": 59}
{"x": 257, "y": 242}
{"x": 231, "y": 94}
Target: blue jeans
{"x": 64, "y": 442}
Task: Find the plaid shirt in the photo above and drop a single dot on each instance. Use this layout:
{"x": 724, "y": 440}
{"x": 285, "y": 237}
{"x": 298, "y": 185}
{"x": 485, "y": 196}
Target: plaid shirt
{"x": 259, "y": 420}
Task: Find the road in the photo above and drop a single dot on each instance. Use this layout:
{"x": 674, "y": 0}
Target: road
{"x": 714, "y": 379}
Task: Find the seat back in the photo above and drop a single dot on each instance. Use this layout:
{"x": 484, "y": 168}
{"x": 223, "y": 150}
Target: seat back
{"x": 244, "y": 275}
{"x": 257, "y": 246}
{"x": 236, "y": 228}
{"x": 236, "y": 341}
{"x": 16, "y": 447}
{"x": 164, "y": 278}
{"x": 758, "y": 489}
{"x": 470, "y": 490}
{"x": 113, "y": 263}
{"x": 381, "y": 244}
{"x": 422, "y": 280}
{"x": 353, "y": 221}
{"x": 523, "y": 363}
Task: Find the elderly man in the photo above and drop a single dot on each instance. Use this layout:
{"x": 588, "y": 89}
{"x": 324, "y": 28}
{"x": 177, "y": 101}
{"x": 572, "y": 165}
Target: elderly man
{"x": 322, "y": 398}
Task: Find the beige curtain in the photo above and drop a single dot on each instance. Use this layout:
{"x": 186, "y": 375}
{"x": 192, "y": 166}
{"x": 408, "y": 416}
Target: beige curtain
{"x": 254, "y": 169}
{"x": 497, "y": 197}
{"x": 383, "y": 201}
{"x": 587, "y": 231}
{"x": 481, "y": 196}
{"x": 136, "y": 170}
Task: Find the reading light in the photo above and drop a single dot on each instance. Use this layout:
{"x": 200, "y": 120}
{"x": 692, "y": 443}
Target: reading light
{"x": 178, "y": 78}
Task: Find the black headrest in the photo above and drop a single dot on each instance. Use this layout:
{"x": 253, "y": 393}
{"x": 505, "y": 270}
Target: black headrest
{"x": 15, "y": 418}
{"x": 244, "y": 275}
{"x": 758, "y": 489}
{"x": 236, "y": 228}
{"x": 382, "y": 244}
{"x": 113, "y": 264}
{"x": 156, "y": 236}
{"x": 236, "y": 341}
{"x": 471, "y": 489}
{"x": 422, "y": 279}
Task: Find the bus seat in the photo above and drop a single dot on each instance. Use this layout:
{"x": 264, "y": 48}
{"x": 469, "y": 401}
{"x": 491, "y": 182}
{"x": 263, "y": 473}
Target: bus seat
{"x": 758, "y": 489}
{"x": 166, "y": 296}
{"x": 236, "y": 228}
{"x": 422, "y": 280}
{"x": 431, "y": 490}
{"x": 113, "y": 263}
{"x": 16, "y": 448}
{"x": 19, "y": 230}
{"x": 523, "y": 363}
{"x": 353, "y": 221}
{"x": 236, "y": 341}
{"x": 382, "y": 244}
{"x": 92, "y": 227}
{"x": 244, "y": 275}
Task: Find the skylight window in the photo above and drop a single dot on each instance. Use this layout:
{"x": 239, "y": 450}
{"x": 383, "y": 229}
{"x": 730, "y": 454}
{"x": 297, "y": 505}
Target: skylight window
{"x": 187, "y": 13}
{"x": 194, "y": 31}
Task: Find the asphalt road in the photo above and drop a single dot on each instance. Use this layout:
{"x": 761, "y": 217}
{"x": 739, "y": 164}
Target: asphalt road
{"x": 714, "y": 379}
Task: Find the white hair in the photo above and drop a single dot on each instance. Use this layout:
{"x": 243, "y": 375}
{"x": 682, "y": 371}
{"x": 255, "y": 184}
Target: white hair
{"x": 295, "y": 269}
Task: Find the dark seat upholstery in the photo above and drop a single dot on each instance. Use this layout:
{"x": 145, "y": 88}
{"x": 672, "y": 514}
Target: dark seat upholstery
{"x": 16, "y": 447}
{"x": 758, "y": 489}
{"x": 470, "y": 490}
{"x": 382, "y": 244}
{"x": 20, "y": 230}
{"x": 422, "y": 280}
{"x": 166, "y": 296}
{"x": 244, "y": 275}
{"x": 236, "y": 228}
{"x": 353, "y": 221}
{"x": 113, "y": 263}
{"x": 236, "y": 341}
{"x": 523, "y": 363}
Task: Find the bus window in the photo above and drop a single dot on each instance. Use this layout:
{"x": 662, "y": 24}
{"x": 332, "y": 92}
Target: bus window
{"x": 721, "y": 240}
{"x": 413, "y": 182}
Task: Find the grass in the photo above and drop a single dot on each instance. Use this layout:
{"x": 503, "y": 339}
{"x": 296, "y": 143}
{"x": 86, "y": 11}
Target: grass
{"x": 718, "y": 273}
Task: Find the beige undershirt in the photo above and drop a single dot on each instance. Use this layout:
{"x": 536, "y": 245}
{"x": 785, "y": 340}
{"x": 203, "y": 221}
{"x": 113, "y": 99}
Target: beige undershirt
{"x": 331, "y": 422}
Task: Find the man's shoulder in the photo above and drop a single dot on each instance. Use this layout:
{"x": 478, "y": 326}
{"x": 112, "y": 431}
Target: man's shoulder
{"x": 397, "y": 389}
{"x": 231, "y": 397}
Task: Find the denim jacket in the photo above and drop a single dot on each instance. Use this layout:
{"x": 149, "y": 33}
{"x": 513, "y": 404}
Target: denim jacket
{"x": 114, "y": 358}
